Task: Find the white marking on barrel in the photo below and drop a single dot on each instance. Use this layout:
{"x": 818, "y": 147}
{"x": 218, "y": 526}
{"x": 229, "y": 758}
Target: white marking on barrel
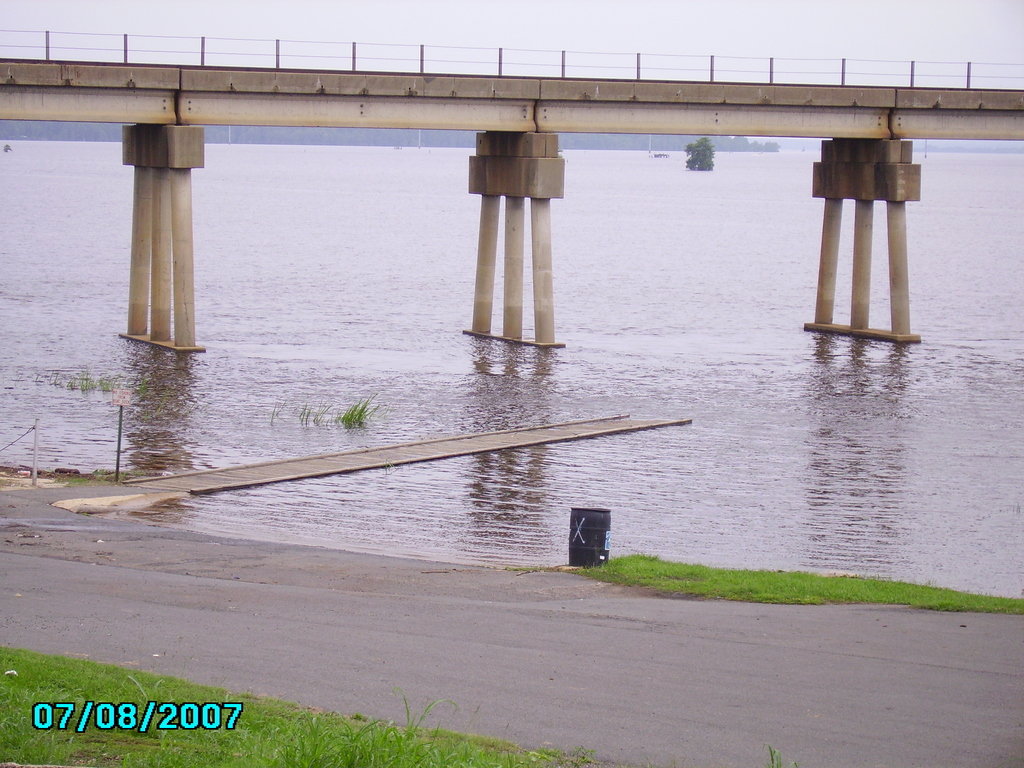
{"x": 579, "y": 531}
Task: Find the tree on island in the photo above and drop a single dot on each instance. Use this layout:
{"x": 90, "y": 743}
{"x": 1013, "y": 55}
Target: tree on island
{"x": 700, "y": 155}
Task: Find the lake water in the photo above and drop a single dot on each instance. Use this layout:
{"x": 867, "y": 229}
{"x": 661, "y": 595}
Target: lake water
{"x": 329, "y": 274}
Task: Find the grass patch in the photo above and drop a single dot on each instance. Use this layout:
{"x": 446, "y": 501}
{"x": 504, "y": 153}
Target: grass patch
{"x": 268, "y": 734}
{"x": 83, "y": 381}
{"x": 358, "y": 414}
{"x": 791, "y": 587}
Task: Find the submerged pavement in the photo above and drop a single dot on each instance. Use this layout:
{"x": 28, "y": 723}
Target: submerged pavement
{"x": 539, "y": 658}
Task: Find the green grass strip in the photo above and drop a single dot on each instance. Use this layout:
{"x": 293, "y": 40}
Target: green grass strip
{"x": 268, "y": 734}
{"x": 790, "y": 587}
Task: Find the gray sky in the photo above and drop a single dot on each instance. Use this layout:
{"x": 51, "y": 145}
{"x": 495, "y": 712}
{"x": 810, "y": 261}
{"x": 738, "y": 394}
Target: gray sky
{"x": 925, "y": 30}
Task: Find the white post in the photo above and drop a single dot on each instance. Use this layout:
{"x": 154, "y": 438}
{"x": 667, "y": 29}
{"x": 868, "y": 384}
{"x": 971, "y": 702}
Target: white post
{"x": 543, "y": 284}
{"x": 831, "y": 225}
{"x": 160, "y": 302}
{"x": 861, "y": 298}
{"x": 487, "y": 251}
{"x": 515, "y": 219}
{"x": 899, "y": 278}
{"x": 35, "y": 453}
{"x": 142, "y": 244}
{"x": 184, "y": 280}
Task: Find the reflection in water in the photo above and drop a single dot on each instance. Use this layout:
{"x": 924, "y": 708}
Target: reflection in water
{"x": 855, "y": 487}
{"x": 508, "y": 498}
{"x": 163, "y": 407}
{"x": 510, "y": 388}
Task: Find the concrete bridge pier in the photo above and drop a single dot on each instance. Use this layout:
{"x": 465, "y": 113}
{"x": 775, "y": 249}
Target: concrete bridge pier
{"x": 516, "y": 166}
{"x": 161, "y": 291}
{"x": 865, "y": 170}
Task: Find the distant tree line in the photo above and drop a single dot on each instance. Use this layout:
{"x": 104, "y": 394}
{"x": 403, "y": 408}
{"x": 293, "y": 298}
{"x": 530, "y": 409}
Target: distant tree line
{"x": 374, "y": 137}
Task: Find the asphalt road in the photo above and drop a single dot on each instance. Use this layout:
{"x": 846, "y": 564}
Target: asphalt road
{"x": 539, "y": 658}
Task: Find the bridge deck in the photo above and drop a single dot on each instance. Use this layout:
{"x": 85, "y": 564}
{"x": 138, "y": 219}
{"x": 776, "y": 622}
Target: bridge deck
{"x": 244, "y": 476}
{"x": 172, "y": 95}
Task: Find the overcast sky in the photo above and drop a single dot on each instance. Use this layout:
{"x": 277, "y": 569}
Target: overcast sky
{"x": 925, "y": 30}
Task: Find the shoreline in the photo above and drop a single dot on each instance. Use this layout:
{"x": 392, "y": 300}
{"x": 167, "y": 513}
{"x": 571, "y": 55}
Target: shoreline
{"x": 515, "y": 650}
{"x": 31, "y": 525}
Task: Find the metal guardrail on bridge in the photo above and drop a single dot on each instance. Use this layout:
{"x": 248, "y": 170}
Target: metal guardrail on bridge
{"x": 503, "y": 62}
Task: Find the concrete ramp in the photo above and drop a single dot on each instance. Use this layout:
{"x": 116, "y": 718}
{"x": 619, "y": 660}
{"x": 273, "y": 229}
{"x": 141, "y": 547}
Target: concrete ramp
{"x": 264, "y": 473}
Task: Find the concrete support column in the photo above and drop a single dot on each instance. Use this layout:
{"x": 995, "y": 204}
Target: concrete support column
{"x": 516, "y": 166}
{"x": 515, "y": 237}
{"x": 487, "y": 251}
{"x": 142, "y": 237}
{"x": 899, "y": 278}
{"x": 865, "y": 170}
{"x": 184, "y": 281}
{"x": 160, "y": 275}
{"x": 543, "y": 282}
{"x": 161, "y": 282}
{"x": 824, "y": 309}
{"x": 860, "y": 301}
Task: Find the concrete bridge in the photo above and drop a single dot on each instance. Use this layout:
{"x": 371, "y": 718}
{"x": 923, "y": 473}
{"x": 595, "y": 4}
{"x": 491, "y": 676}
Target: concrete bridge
{"x": 867, "y": 158}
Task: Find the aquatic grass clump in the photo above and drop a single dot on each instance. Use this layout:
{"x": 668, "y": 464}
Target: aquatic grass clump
{"x": 791, "y": 587}
{"x": 83, "y": 381}
{"x": 775, "y": 759}
{"x": 358, "y": 414}
{"x": 317, "y": 414}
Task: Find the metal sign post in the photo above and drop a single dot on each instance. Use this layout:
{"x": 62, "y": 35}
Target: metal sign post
{"x": 121, "y": 398}
{"x": 35, "y": 454}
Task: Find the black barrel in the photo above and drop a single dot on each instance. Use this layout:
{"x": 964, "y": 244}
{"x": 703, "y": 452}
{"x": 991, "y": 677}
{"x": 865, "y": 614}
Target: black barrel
{"x": 590, "y": 536}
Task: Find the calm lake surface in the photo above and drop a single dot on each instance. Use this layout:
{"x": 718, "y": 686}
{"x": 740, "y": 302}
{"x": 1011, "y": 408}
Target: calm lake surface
{"x": 329, "y": 274}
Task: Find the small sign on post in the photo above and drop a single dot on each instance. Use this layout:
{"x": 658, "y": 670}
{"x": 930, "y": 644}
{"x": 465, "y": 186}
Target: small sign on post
{"x": 120, "y": 398}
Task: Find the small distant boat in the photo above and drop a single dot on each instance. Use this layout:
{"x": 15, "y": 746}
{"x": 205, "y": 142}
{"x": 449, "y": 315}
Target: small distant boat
{"x": 660, "y": 155}
{"x": 7, "y": 148}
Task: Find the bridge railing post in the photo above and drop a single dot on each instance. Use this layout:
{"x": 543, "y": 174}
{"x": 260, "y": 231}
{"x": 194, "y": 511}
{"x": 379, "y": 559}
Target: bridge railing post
{"x": 711, "y": 78}
{"x": 638, "y": 66}
{"x": 277, "y": 54}
{"x": 48, "y": 51}
{"x": 501, "y": 52}
{"x": 771, "y": 70}
{"x": 563, "y": 67}
{"x": 422, "y": 57}
{"x": 126, "y": 49}
{"x": 842, "y": 73}
{"x": 202, "y": 51}
{"x": 912, "y": 66}
{"x": 968, "y": 74}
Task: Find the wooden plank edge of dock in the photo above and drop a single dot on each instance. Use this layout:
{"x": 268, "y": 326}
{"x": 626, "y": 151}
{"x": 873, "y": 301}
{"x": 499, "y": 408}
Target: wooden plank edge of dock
{"x": 639, "y": 426}
{"x": 357, "y": 451}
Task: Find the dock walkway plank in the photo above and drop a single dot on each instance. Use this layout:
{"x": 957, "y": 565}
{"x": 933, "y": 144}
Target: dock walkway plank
{"x": 264, "y": 473}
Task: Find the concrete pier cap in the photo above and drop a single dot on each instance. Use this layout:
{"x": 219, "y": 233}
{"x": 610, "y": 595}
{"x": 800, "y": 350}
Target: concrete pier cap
{"x": 867, "y": 169}
{"x": 164, "y": 146}
{"x": 517, "y": 165}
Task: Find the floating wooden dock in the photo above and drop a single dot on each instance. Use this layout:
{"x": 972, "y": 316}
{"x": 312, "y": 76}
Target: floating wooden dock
{"x": 247, "y": 475}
